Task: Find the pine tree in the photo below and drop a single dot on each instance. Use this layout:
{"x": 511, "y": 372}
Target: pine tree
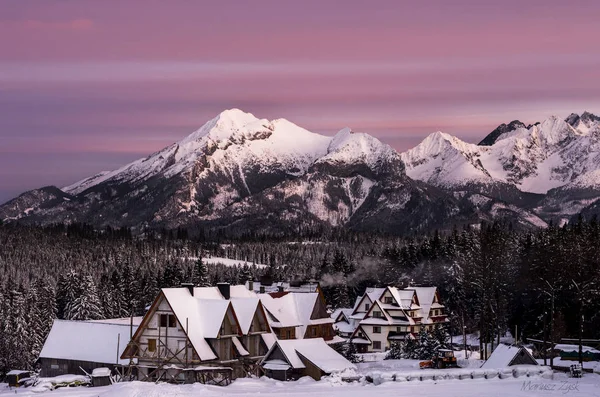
{"x": 200, "y": 274}
{"x": 395, "y": 352}
{"x": 350, "y": 353}
{"x": 426, "y": 347}
{"x": 87, "y": 305}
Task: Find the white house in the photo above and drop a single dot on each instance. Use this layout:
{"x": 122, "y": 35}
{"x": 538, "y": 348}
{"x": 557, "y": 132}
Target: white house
{"x": 388, "y": 314}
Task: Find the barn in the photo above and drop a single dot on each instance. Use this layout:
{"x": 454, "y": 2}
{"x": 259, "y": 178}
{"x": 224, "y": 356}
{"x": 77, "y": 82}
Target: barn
{"x": 73, "y": 346}
{"x": 505, "y": 356}
{"x": 295, "y": 358}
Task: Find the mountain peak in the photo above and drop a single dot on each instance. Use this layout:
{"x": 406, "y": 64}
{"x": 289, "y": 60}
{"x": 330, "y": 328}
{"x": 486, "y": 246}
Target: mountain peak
{"x": 502, "y": 129}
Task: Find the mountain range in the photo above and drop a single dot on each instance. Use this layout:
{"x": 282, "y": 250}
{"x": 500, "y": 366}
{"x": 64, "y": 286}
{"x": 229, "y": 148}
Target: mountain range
{"x": 238, "y": 174}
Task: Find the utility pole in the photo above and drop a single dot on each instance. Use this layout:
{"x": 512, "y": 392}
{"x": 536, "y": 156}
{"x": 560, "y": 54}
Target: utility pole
{"x": 580, "y": 295}
{"x": 464, "y": 327}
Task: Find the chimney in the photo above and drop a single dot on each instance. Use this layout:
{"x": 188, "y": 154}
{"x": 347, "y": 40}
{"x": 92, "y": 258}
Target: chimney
{"x": 189, "y": 286}
{"x": 262, "y": 289}
{"x": 224, "y": 290}
{"x": 280, "y": 288}
{"x": 251, "y": 285}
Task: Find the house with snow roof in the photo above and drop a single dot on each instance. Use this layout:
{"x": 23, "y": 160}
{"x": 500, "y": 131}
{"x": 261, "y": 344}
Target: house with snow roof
{"x": 73, "y": 346}
{"x": 295, "y": 315}
{"x": 295, "y": 358}
{"x": 343, "y": 325}
{"x": 505, "y": 356}
{"x": 191, "y": 331}
{"x": 385, "y": 315}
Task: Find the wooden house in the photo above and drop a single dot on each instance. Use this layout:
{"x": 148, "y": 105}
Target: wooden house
{"x": 295, "y": 358}
{"x": 200, "y": 334}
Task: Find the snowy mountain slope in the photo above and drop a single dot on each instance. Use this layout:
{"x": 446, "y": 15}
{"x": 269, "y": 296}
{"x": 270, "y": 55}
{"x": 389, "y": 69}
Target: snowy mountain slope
{"x": 534, "y": 159}
{"x": 238, "y": 173}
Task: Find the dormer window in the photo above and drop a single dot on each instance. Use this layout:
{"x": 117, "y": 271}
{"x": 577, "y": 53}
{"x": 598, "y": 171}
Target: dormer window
{"x": 388, "y": 300}
{"x": 367, "y": 306}
{"x": 377, "y": 314}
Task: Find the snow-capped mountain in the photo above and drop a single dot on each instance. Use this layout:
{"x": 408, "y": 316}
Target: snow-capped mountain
{"x": 557, "y": 158}
{"x": 239, "y": 173}
{"x": 535, "y": 159}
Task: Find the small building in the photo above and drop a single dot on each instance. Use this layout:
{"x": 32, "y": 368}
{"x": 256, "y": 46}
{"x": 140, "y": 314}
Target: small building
{"x": 295, "y": 358}
{"x": 16, "y": 377}
{"x": 343, "y": 324}
{"x": 73, "y": 346}
{"x": 101, "y": 377}
{"x": 506, "y": 356}
{"x": 571, "y": 352}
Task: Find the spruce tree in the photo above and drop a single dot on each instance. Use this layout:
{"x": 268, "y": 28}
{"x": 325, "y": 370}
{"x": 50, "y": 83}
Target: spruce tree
{"x": 200, "y": 274}
{"x": 87, "y": 305}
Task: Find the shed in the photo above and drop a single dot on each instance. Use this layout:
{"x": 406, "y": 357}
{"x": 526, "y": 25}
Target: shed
{"x": 75, "y": 345}
{"x": 505, "y": 356}
{"x": 571, "y": 352}
{"x": 295, "y": 358}
{"x": 101, "y": 377}
{"x": 16, "y": 377}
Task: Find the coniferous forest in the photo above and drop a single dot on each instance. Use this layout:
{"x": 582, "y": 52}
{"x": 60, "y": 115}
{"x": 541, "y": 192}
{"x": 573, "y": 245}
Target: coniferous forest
{"x": 492, "y": 277}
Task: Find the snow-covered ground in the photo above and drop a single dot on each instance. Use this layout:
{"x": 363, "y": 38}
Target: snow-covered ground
{"x": 215, "y": 260}
{"x": 589, "y": 385}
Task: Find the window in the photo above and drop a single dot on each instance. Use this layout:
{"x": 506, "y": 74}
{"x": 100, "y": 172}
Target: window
{"x": 388, "y": 299}
{"x": 367, "y": 306}
{"x": 376, "y": 345}
{"x": 168, "y": 320}
{"x": 398, "y": 329}
{"x": 377, "y": 314}
{"x": 313, "y": 331}
{"x": 376, "y": 330}
{"x": 288, "y": 334}
{"x": 151, "y": 345}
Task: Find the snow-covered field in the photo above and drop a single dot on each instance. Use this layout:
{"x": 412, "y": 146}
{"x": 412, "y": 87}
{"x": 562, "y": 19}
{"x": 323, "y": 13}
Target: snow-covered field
{"x": 589, "y": 385}
{"x": 214, "y": 260}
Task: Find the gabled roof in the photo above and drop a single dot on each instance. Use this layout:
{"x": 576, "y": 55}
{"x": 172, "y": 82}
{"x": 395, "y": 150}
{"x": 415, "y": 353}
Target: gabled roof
{"x": 245, "y": 309}
{"x": 404, "y": 298}
{"x": 426, "y": 296}
{"x": 314, "y": 350}
{"x": 504, "y": 355}
{"x": 293, "y": 310}
{"x": 341, "y": 315}
{"x": 87, "y": 341}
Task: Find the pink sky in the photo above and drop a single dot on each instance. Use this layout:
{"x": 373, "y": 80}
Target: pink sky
{"x": 89, "y": 85}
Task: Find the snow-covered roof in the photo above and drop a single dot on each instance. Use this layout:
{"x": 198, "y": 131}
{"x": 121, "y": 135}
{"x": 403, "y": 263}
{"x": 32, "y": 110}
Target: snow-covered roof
{"x": 426, "y": 296}
{"x": 276, "y": 364}
{"x": 575, "y": 348}
{"x": 347, "y": 312}
{"x": 101, "y": 372}
{"x": 294, "y": 310}
{"x": 245, "y": 308}
{"x": 269, "y": 339}
{"x": 187, "y": 307}
{"x": 314, "y": 350}
{"x": 87, "y": 341}
{"x": 503, "y": 355}
{"x": 17, "y": 372}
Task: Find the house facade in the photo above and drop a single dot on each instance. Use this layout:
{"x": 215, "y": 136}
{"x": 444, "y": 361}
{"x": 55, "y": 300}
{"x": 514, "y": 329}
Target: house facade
{"x": 191, "y": 331}
{"x": 385, "y": 315}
